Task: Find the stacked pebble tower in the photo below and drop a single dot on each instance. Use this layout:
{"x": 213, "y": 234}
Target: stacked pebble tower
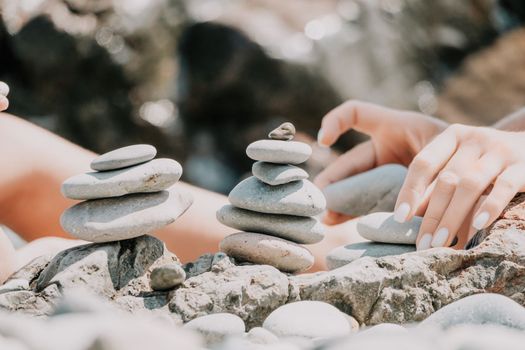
{"x": 275, "y": 207}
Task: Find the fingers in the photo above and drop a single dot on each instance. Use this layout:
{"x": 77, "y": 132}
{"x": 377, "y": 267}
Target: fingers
{"x": 4, "y": 103}
{"x": 358, "y": 159}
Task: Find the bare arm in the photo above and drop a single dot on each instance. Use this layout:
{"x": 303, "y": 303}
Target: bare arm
{"x": 513, "y": 122}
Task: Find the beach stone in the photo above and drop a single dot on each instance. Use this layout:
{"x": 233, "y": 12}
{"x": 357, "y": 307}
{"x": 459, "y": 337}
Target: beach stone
{"x": 124, "y": 157}
{"x": 4, "y": 89}
{"x": 383, "y": 329}
{"x": 300, "y": 198}
{"x": 216, "y": 327}
{"x": 368, "y": 192}
{"x": 381, "y": 227}
{"x": 307, "y": 319}
{"x": 112, "y": 219}
{"x": 277, "y": 151}
{"x": 343, "y": 255}
{"x": 277, "y": 174}
{"x": 299, "y": 229}
{"x": 285, "y": 132}
{"x": 479, "y": 309}
{"x": 167, "y": 277}
{"x": 263, "y": 249}
{"x": 154, "y": 176}
{"x": 259, "y": 335}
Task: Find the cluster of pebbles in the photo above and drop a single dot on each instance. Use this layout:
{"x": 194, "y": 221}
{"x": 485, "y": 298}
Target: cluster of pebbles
{"x": 129, "y": 194}
{"x": 276, "y": 207}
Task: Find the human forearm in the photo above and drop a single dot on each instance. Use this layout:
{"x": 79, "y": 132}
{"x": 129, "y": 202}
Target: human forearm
{"x": 513, "y": 122}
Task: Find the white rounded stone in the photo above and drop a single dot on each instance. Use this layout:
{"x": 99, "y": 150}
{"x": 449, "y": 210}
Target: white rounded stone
{"x": 277, "y": 174}
{"x": 124, "y": 157}
{"x": 300, "y": 198}
{"x": 381, "y": 227}
{"x": 4, "y": 89}
{"x": 216, "y": 327}
{"x": 267, "y": 250}
{"x": 154, "y": 176}
{"x": 112, "y": 219}
{"x": 299, "y": 229}
{"x": 307, "y": 319}
{"x": 383, "y": 329}
{"x": 259, "y": 335}
{"x": 344, "y": 255}
{"x": 277, "y": 151}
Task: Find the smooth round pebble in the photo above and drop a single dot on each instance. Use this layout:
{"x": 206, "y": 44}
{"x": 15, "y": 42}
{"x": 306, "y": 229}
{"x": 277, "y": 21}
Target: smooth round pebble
{"x": 299, "y": 229}
{"x": 383, "y": 329}
{"x": 368, "y": 192}
{"x": 277, "y": 174}
{"x": 381, "y": 227}
{"x": 307, "y": 319}
{"x": 259, "y": 335}
{"x": 154, "y": 176}
{"x": 344, "y": 255}
{"x": 4, "y": 89}
{"x": 113, "y": 219}
{"x": 277, "y": 151}
{"x": 262, "y": 249}
{"x": 479, "y": 309}
{"x": 300, "y": 198}
{"x": 124, "y": 157}
{"x": 216, "y": 327}
{"x": 167, "y": 277}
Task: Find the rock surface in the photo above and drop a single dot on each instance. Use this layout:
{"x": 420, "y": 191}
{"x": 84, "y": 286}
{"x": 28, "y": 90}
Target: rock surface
{"x": 216, "y": 327}
{"x": 281, "y": 152}
{"x": 343, "y": 255}
{"x": 277, "y": 174}
{"x": 110, "y": 219}
{"x": 154, "y": 176}
{"x": 298, "y": 229}
{"x": 368, "y": 192}
{"x": 124, "y": 157}
{"x": 381, "y": 227}
{"x": 301, "y": 198}
{"x": 167, "y": 277}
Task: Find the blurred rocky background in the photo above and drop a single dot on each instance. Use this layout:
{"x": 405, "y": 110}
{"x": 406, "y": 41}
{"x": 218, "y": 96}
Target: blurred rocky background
{"x": 200, "y": 79}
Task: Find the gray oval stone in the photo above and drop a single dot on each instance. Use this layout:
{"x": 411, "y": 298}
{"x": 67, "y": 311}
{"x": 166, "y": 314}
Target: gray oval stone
{"x": 381, "y": 227}
{"x": 167, "y": 277}
{"x": 124, "y": 157}
{"x": 113, "y": 219}
{"x": 299, "y": 229}
{"x": 153, "y": 176}
{"x": 343, "y": 255}
{"x": 307, "y": 319}
{"x": 276, "y": 151}
{"x": 277, "y": 174}
{"x": 4, "y": 89}
{"x": 216, "y": 327}
{"x": 479, "y": 309}
{"x": 301, "y": 198}
{"x": 262, "y": 249}
{"x": 368, "y": 192}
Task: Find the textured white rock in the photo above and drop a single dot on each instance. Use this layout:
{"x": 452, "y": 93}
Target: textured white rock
{"x": 299, "y": 229}
{"x": 276, "y": 151}
{"x": 277, "y": 174}
{"x": 154, "y": 176}
{"x": 124, "y": 157}
{"x": 301, "y": 198}
{"x": 267, "y": 250}
{"x": 343, "y": 255}
{"x": 111, "y": 219}
{"x": 216, "y": 327}
{"x": 381, "y": 227}
{"x": 307, "y": 319}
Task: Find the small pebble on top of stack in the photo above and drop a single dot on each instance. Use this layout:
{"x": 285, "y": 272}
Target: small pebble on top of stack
{"x": 275, "y": 207}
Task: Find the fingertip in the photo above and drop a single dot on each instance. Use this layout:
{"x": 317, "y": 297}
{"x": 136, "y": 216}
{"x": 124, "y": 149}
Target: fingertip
{"x": 322, "y": 140}
{"x": 480, "y": 220}
{"x": 4, "y": 103}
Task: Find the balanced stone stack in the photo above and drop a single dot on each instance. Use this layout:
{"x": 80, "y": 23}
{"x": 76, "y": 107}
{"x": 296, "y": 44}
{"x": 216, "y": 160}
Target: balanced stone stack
{"x": 128, "y": 195}
{"x": 275, "y": 207}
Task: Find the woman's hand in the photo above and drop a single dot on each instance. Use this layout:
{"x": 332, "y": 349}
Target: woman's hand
{"x": 4, "y": 90}
{"x": 458, "y": 167}
{"x": 395, "y": 137}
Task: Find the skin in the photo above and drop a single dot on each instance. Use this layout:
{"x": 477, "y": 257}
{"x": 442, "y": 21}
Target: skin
{"x": 460, "y": 178}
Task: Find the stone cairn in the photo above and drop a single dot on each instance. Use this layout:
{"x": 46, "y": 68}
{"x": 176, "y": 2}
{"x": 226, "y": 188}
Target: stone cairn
{"x": 129, "y": 194}
{"x": 275, "y": 207}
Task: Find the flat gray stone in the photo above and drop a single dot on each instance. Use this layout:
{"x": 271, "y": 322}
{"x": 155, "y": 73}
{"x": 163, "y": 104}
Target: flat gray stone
{"x": 368, "y": 192}
{"x": 112, "y": 219}
{"x": 167, "y": 277}
{"x": 124, "y": 157}
{"x": 299, "y": 229}
{"x": 262, "y": 249}
{"x": 277, "y": 151}
{"x": 216, "y": 327}
{"x": 307, "y": 319}
{"x": 153, "y": 176}
{"x": 381, "y": 227}
{"x": 300, "y": 198}
{"x": 277, "y": 174}
{"x": 343, "y": 255}
{"x": 479, "y": 309}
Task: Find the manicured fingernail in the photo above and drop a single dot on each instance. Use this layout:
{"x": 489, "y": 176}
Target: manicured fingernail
{"x": 4, "y": 89}
{"x": 401, "y": 213}
{"x": 440, "y": 238}
{"x": 480, "y": 220}
{"x": 320, "y": 135}
{"x": 424, "y": 242}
